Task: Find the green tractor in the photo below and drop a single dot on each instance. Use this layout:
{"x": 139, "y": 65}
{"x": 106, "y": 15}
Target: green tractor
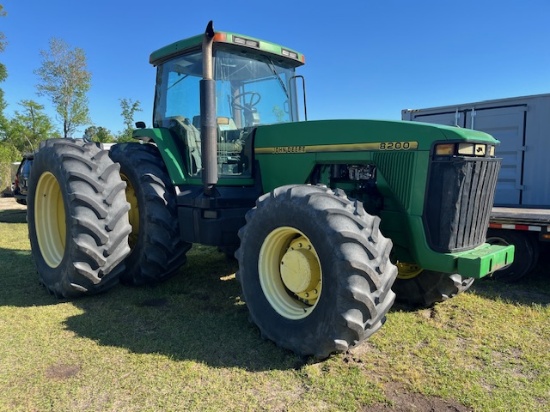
{"x": 329, "y": 220}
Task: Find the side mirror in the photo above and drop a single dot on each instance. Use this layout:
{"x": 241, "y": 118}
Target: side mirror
{"x": 140, "y": 125}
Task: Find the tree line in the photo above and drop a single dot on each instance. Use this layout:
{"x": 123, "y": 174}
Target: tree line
{"x": 65, "y": 80}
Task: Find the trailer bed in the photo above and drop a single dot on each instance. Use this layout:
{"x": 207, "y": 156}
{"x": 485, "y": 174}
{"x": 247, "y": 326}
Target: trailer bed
{"x": 521, "y": 216}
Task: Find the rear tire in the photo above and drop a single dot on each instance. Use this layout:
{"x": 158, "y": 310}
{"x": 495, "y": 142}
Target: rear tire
{"x": 427, "y": 288}
{"x": 314, "y": 270}
{"x": 157, "y": 248}
{"x": 525, "y": 257}
{"x": 77, "y": 218}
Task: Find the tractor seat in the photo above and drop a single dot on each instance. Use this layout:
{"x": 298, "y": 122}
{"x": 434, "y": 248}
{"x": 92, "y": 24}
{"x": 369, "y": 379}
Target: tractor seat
{"x": 224, "y": 123}
{"x": 192, "y": 138}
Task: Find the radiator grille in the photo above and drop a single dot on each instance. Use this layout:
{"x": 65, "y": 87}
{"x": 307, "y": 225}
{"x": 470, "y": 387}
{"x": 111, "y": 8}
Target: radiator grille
{"x": 459, "y": 201}
{"x": 397, "y": 169}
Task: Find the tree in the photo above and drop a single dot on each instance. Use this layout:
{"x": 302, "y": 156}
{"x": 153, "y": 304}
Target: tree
{"x": 29, "y": 127}
{"x": 8, "y": 153}
{"x": 3, "y": 76}
{"x": 99, "y": 134}
{"x": 66, "y": 81}
{"x": 129, "y": 108}
{"x": 2, "y": 36}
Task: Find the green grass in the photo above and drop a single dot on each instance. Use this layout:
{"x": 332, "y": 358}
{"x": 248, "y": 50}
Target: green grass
{"x": 187, "y": 344}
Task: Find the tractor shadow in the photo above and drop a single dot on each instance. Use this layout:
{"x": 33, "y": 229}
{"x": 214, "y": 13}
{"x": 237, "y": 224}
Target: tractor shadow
{"x": 197, "y": 315}
{"x": 20, "y": 284}
{"x": 534, "y": 289}
{"x": 13, "y": 216}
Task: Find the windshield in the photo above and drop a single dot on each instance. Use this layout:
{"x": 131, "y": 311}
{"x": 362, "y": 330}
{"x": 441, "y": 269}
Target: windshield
{"x": 251, "y": 90}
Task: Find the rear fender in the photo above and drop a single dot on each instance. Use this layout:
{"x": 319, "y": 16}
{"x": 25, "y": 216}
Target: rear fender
{"x": 169, "y": 149}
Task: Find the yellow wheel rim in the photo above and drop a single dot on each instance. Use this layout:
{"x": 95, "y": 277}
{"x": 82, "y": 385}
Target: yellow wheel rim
{"x": 133, "y": 213}
{"x": 49, "y": 218}
{"x": 290, "y": 273}
{"x": 408, "y": 270}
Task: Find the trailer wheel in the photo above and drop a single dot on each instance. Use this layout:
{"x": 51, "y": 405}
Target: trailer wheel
{"x": 424, "y": 288}
{"x": 525, "y": 257}
{"x": 314, "y": 270}
{"x": 157, "y": 248}
{"x": 77, "y": 218}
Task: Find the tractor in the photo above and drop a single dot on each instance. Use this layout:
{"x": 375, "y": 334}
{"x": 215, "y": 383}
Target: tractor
{"x": 330, "y": 220}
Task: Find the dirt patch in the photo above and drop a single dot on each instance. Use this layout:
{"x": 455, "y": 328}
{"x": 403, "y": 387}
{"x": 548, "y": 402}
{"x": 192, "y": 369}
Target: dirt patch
{"x": 403, "y": 401}
{"x": 398, "y": 397}
{"x": 62, "y": 371}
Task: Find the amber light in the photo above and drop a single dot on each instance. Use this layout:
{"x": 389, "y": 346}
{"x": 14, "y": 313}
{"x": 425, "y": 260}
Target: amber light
{"x": 221, "y": 37}
{"x": 447, "y": 149}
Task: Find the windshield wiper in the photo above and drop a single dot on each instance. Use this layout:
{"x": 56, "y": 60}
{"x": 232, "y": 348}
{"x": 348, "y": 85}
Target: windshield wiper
{"x": 177, "y": 81}
{"x": 272, "y": 67}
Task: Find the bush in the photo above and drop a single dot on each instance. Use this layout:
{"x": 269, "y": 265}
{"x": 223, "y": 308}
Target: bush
{"x": 8, "y": 155}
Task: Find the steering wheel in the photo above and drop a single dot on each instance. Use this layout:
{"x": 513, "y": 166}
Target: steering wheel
{"x": 253, "y": 100}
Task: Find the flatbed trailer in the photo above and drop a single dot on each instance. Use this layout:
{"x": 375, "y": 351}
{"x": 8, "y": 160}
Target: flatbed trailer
{"x": 533, "y": 220}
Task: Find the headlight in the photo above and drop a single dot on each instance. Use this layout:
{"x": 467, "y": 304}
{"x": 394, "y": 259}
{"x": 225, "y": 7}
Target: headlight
{"x": 464, "y": 149}
{"x": 447, "y": 149}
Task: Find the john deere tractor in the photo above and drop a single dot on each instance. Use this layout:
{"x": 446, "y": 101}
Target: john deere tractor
{"x": 329, "y": 220}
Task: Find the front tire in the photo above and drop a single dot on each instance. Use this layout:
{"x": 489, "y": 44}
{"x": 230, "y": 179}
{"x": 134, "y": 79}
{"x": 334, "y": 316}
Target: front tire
{"x": 77, "y": 218}
{"x": 425, "y": 288}
{"x": 157, "y": 248}
{"x": 314, "y": 270}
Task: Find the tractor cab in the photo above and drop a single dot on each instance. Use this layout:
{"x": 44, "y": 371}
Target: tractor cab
{"x": 254, "y": 83}
{"x": 212, "y": 93}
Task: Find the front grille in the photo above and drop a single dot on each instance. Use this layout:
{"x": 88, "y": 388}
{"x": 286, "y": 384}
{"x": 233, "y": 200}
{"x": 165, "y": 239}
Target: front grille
{"x": 397, "y": 168}
{"x": 459, "y": 201}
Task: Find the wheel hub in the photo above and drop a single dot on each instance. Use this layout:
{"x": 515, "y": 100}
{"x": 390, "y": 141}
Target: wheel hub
{"x": 299, "y": 268}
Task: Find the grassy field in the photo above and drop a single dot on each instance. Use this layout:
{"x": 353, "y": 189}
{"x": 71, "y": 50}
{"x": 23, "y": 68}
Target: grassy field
{"x": 187, "y": 344}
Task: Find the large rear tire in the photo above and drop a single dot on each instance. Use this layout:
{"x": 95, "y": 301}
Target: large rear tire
{"x": 77, "y": 217}
{"x": 425, "y": 288}
{"x": 314, "y": 270}
{"x": 157, "y": 248}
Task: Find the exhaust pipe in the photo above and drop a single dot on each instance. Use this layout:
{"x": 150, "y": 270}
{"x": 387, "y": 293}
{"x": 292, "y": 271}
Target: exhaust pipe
{"x": 209, "y": 127}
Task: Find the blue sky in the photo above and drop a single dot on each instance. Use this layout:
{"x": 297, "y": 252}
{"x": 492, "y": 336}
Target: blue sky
{"x": 364, "y": 59}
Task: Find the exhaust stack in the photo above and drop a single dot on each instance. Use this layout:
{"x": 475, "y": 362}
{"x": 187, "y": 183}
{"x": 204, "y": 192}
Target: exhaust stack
{"x": 209, "y": 128}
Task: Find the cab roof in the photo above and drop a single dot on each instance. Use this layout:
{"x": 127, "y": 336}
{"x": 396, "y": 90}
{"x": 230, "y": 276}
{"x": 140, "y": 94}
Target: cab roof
{"x": 238, "y": 40}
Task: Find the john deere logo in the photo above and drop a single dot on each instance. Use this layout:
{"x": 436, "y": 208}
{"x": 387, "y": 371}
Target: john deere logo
{"x": 347, "y": 147}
